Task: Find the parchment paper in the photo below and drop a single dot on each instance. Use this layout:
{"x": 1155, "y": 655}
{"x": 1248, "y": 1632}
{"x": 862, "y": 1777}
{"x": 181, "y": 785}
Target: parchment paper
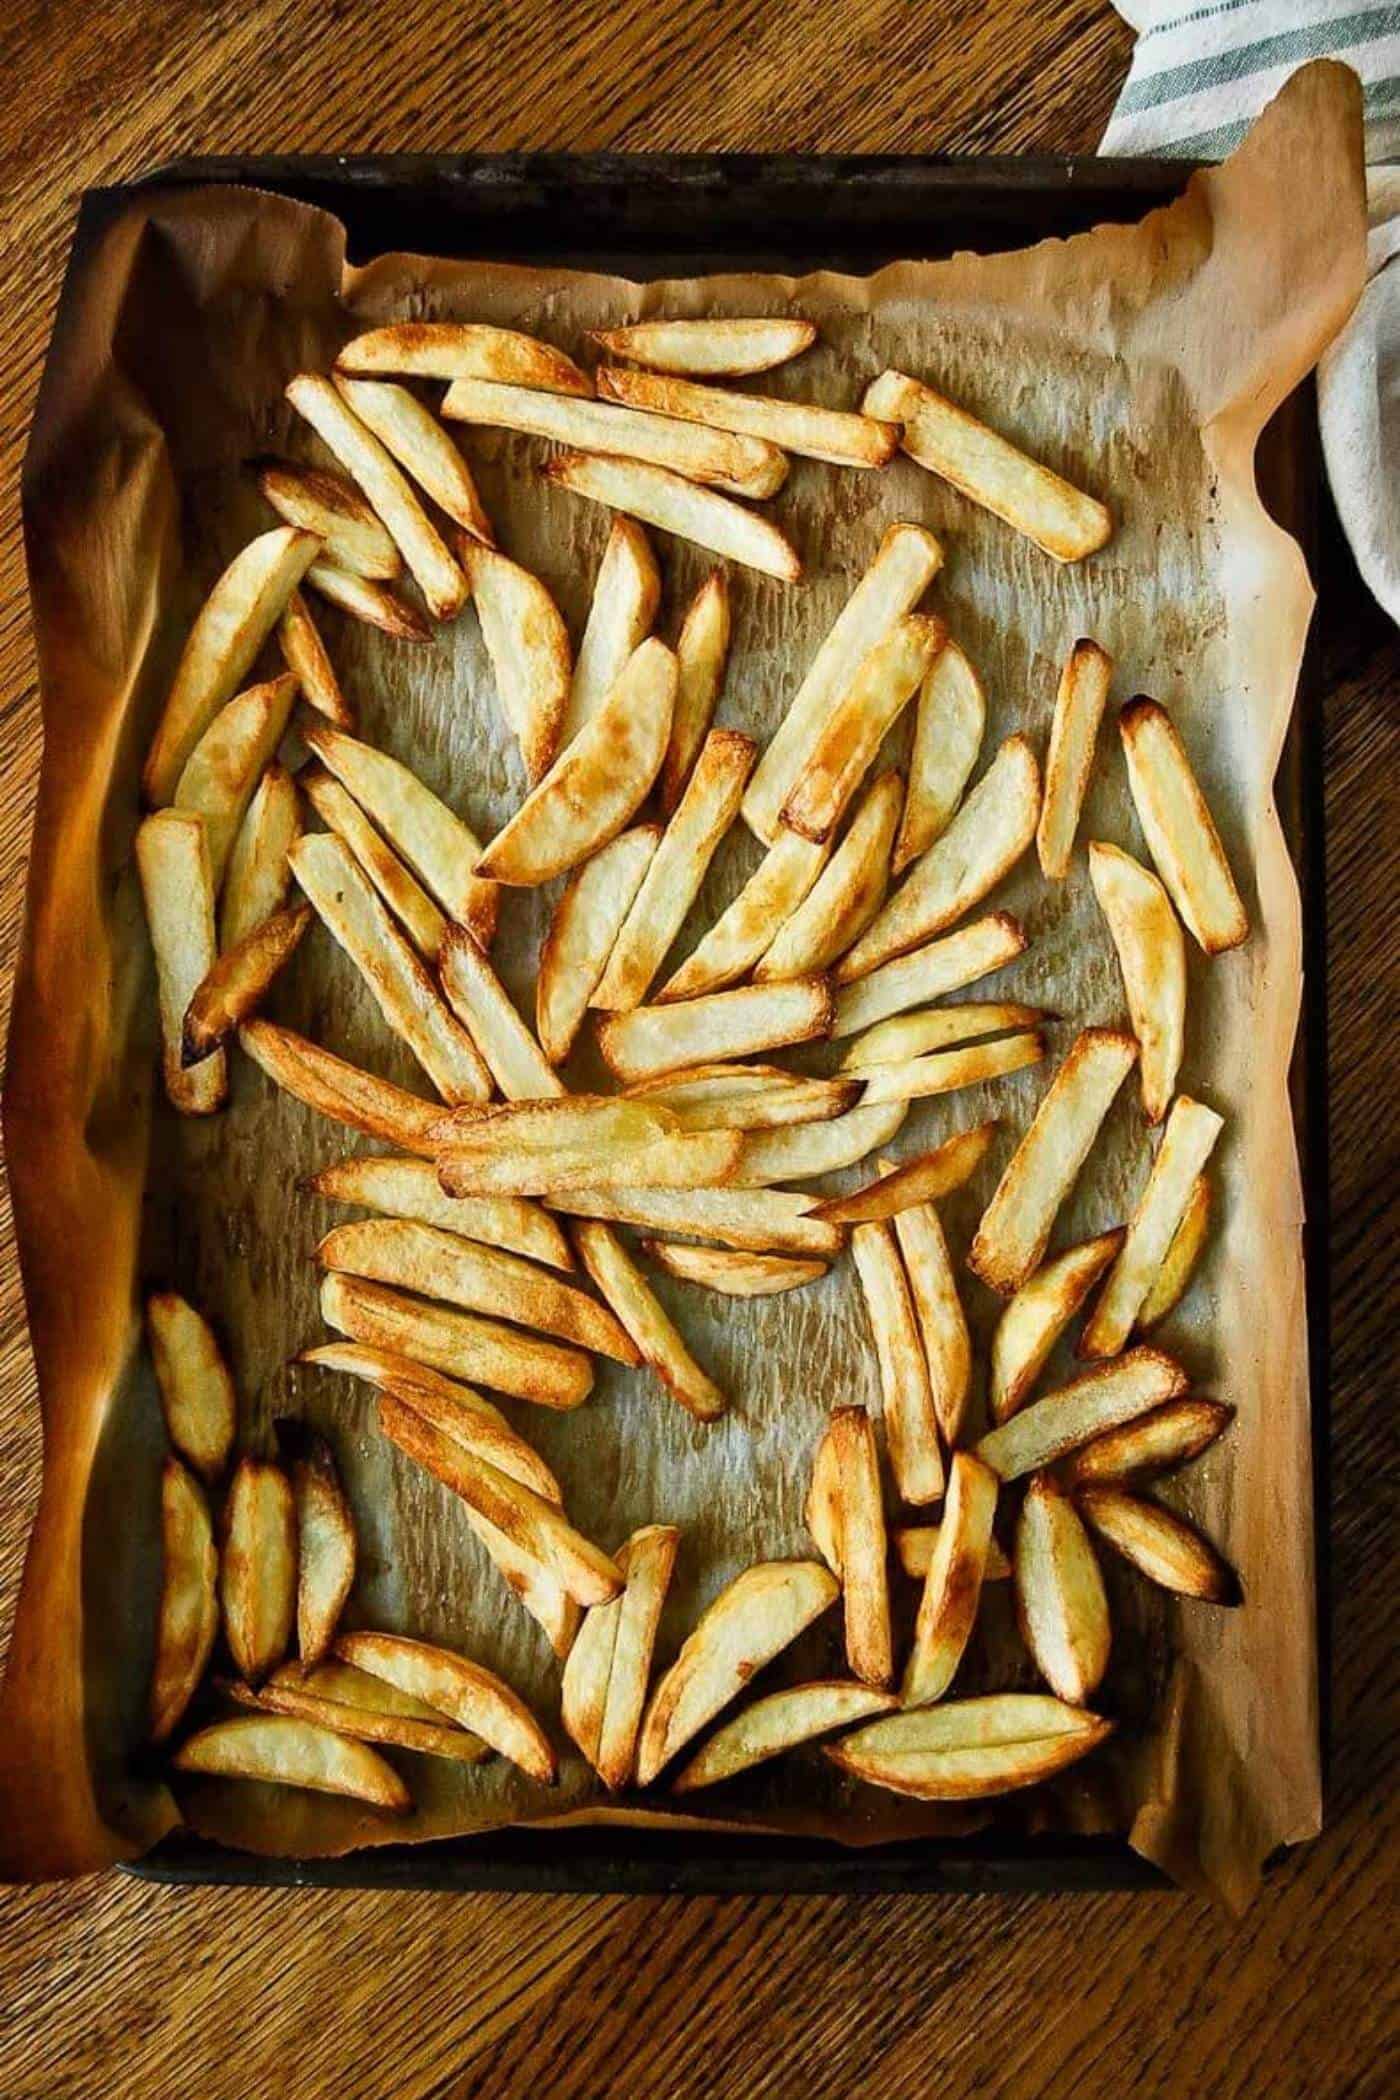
{"x": 1143, "y": 362}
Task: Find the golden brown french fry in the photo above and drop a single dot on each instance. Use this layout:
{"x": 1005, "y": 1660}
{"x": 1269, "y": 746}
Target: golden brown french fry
{"x": 807, "y": 1149}
{"x": 528, "y": 645}
{"x": 942, "y": 1322}
{"x": 1181, "y": 833}
{"x": 257, "y": 878}
{"x": 948, "y": 731}
{"x": 636, "y": 1305}
{"x": 239, "y": 981}
{"x": 919, "y": 1180}
{"x": 844, "y": 748}
{"x": 279, "y": 1751}
{"x": 583, "y": 1689}
{"x": 626, "y": 593}
{"x": 172, "y": 860}
{"x": 350, "y": 1702}
{"x": 477, "y": 1350}
{"x": 822, "y": 1510}
{"x": 679, "y": 1160}
{"x": 1074, "y": 728}
{"x": 325, "y": 1545}
{"x": 650, "y": 1556}
{"x": 754, "y": 1017}
{"x": 544, "y": 1126}
{"x": 862, "y": 1548}
{"x": 463, "y": 350}
{"x": 918, "y": 1078}
{"x": 1168, "y": 1437}
{"x": 916, "y": 1544}
{"x": 780, "y": 1722}
{"x": 1181, "y": 1257}
{"x": 953, "y": 1587}
{"x": 911, "y": 1426}
{"x": 473, "y": 1697}
{"x": 1061, "y": 1603}
{"x": 1038, "y": 1314}
{"x": 235, "y": 620}
{"x": 971, "y": 1749}
{"x": 338, "y": 1090}
{"x": 1187, "y": 1143}
{"x": 745, "y": 1097}
{"x": 831, "y": 434}
{"x": 1152, "y": 958}
{"x": 196, "y": 1390}
{"x": 745, "y": 930}
{"x": 907, "y": 562}
{"x": 372, "y": 467}
{"x": 758, "y": 1615}
{"x": 258, "y": 1567}
{"x": 320, "y": 501}
{"x": 757, "y": 1221}
{"x": 304, "y": 653}
{"x": 220, "y": 774}
{"x": 673, "y": 504}
{"x": 984, "y": 841}
{"x": 736, "y": 1275}
{"x": 905, "y": 1037}
{"x": 1098, "y": 1400}
{"x": 1159, "y": 1544}
{"x": 1016, "y": 1224}
{"x": 848, "y": 891}
{"x": 375, "y": 604}
{"x": 409, "y": 1188}
{"x": 411, "y": 905}
{"x": 987, "y": 467}
{"x": 590, "y": 914}
{"x": 702, "y": 651}
{"x": 479, "y": 999}
{"x": 413, "y": 436}
{"x": 672, "y": 882}
{"x": 716, "y": 346}
{"x": 927, "y": 973}
{"x": 188, "y": 1615}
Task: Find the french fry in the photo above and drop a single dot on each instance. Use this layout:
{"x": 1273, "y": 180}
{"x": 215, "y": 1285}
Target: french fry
{"x": 744, "y": 466}
{"x": 1098, "y": 1400}
{"x": 916, "y": 1544}
{"x": 476, "y": 1350}
{"x": 282, "y": 1752}
{"x": 918, "y": 1078}
{"x": 236, "y": 619}
{"x": 847, "y": 894}
{"x": 1159, "y": 1544}
{"x": 756, "y": 1221}
{"x": 583, "y": 1689}
{"x": 636, "y": 1305}
{"x": 598, "y": 784}
{"x": 340, "y": 1091}
{"x": 911, "y": 1426}
{"x": 1152, "y": 958}
{"x": 409, "y": 902}
{"x": 971, "y": 1749}
{"x": 862, "y": 1547}
{"x": 655, "y": 1039}
{"x": 758, "y": 1615}
{"x": 1038, "y": 1314}
{"x": 544, "y": 1126}
{"x": 676, "y": 505}
{"x": 257, "y": 878}
{"x": 258, "y": 1567}
{"x": 528, "y": 645}
{"x": 834, "y": 435}
{"x": 806, "y": 1149}
{"x": 942, "y": 1321}
{"x": 845, "y": 746}
{"x": 220, "y": 774}
{"x": 650, "y": 1556}
{"x": 1016, "y": 1225}
{"x": 409, "y": 1188}
{"x": 1181, "y": 1257}
{"x": 318, "y": 500}
{"x": 984, "y": 841}
{"x": 473, "y": 1697}
{"x": 304, "y": 654}
{"x": 1187, "y": 1142}
{"x": 350, "y": 1702}
{"x": 778, "y": 1723}
{"x": 821, "y": 1512}
{"x": 734, "y": 1274}
{"x": 679, "y": 1160}
{"x": 413, "y": 436}
{"x": 948, "y": 728}
{"x": 406, "y": 995}
{"x": 716, "y": 347}
{"x": 702, "y": 651}
{"x": 463, "y": 350}
{"x": 172, "y": 860}
{"x": 907, "y": 1036}
{"x": 953, "y": 1586}
{"x": 238, "y": 982}
{"x": 1074, "y": 728}
{"x": 590, "y": 914}
{"x": 374, "y": 604}
{"x": 325, "y": 1545}
{"x": 1159, "y": 1442}
{"x": 927, "y": 973}
{"x": 746, "y": 928}
{"x": 987, "y": 467}
{"x": 187, "y": 1619}
{"x": 372, "y": 467}
{"x": 1181, "y": 834}
{"x": 626, "y": 593}
{"x": 923, "y": 1179}
{"x": 196, "y": 1390}
{"x": 1061, "y": 1603}
{"x": 672, "y": 881}
{"x": 479, "y": 999}
{"x": 746, "y": 1097}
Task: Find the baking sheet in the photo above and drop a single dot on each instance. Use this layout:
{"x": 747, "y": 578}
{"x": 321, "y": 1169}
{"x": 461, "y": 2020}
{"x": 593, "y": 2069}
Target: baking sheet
{"x": 1143, "y": 361}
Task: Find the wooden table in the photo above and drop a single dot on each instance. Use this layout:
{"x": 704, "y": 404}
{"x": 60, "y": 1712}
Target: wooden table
{"x": 118, "y": 1988}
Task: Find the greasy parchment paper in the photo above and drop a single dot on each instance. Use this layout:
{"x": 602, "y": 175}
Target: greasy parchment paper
{"x": 1143, "y": 361}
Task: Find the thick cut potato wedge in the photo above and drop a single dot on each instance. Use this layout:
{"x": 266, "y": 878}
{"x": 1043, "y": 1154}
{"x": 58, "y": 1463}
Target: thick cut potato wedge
{"x": 645, "y": 1319}
{"x": 1187, "y": 1142}
{"x": 862, "y": 1547}
{"x": 676, "y": 505}
{"x": 1181, "y": 1257}
{"x": 683, "y": 1160}
{"x": 911, "y": 1425}
{"x": 953, "y": 1586}
{"x": 714, "y": 348}
{"x": 971, "y": 1749}
{"x": 778, "y": 1723}
{"x": 1061, "y": 1602}
{"x": 188, "y": 1616}
{"x": 177, "y": 885}
{"x": 326, "y": 1546}
{"x": 831, "y": 434}
{"x": 464, "y": 1346}
{"x": 1104, "y": 1398}
{"x": 1036, "y": 1317}
{"x": 745, "y": 930}
{"x": 822, "y": 1510}
{"x": 339, "y": 1090}
{"x": 982, "y": 844}
{"x": 528, "y": 645}
{"x": 647, "y": 1560}
{"x": 318, "y": 500}
{"x": 257, "y": 878}
{"x": 942, "y": 1321}
{"x": 416, "y": 439}
{"x": 1074, "y": 727}
{"x": 905, "y": 1037}
{"x": 463, "y": 350}
{"x": 258, "y": 1567}
{"x": 758, "y": 1615}
{"x": 807, "y": 1149}
{"x": 848, "y": 891}
{"x": 1152, "y": 958}
{"x": 991, "y": 470}
{"x": 409, "y": 1188}
{"x": 916, "y": 1544}
{"x": 481, "y": 1002}
{"x": 1160, "y": 1545}
{"x": 374, "y": 604}
{"x": 922, "y": 1179}
{"x": 655, "y": 1039}
{"x": 919, "y": 1078}
{"x": 410, "y": 903}
{"x": 1181, "y": 833}
{"x": 943, "y": 966}
{"x": 746, "y": 1097}
{"x": 734, "y": 1274}
{"x": 236, "y": 619}
{"x": 756, "y": 1221}
{"x": 588, "y": 918}
{"x": 583, "y": 1689}
{"x": 473, "y": 1697}
{"x": 844, "y": 748}
{"x": 948, "y": 729}
{"x": 196, "y": 1390}
{"x": 1016, "y": 1224}
{"x": 702, "y": 652}
{"x": 306, "y": 657}
{"x": 283, "y": 1752}
{"x": 626, "y": 593}
{"x": 1159, "y": 1442}
{"x": 220, "y": 774}
{"x": 239, "y": 982}
{"x": 335, "y": 1695}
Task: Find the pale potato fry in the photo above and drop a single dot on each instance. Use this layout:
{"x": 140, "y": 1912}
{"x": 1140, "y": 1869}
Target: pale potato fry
{"x": 409, "y": 1188}
{"x": 1180, "y": 831}
{"x": 373, "y": 603}
{"x": 477, "y": 1350}
{"x": 844, "y": 748}
{"x": 1187, "y": 1143}
{"x": 734, "y": 1274}
{"x": 235, "y": 620}
{"x": 597, "y": 785}
{"x": 971, "y": 1749}
{"x": 1061, "y": 1603}
{"x": 756, "y": 1221}
{"x": 991, "y": 470}
{"x": 582, "y": 933}
{"x": 1038, "y": 1314}
{"x": 177, "y": 886}
{"x": 187, "y": 1619}
{"x": 753, "y": 1619}
{"x": 1181, "y": 1257}
{"x": 848, "y": 891}
{"x": 372, "y": 467}
{"x": 543, "y": 1126}
{"x": 463, "y": 350}
{"x": 911, "y": 1426}
{"x": 257, "y": 878}
{"x": 1101, "y": 1399}
{"x": 746, "y": 928}
{"x": 1074, "y": 728}
{"x": 682, "y": 1160}
{"x": 1016, "y": 1225}
{"x": 655, "y": 1039}
{"x": 1160, "y": 1545}
{"x": 676, "y": 505}
{"x": 279, "y": 1751}
{"x": 238, "y": 982}
{"x": 778, "y": 1723}
{"x": 831, "y": 434}
{"x": 528, "y": 645}
{"x": 258, "y": 1567}
{"x": 745, "y": 1097}
{"x": 338, "y": 1090}
{"x": 583, "y": 1689}
{"x": 475, "y": 1698}
{"x": 984, "y": 841}
{"x": 405, "y": 993}
{"x": 1152, "y": 958}
{"x": 908, "y": 560}
{"x": 919, "y": 1180}
{"x": 717, "y": 347}
{"x": 916, "y": 1544}
{"x": 304, "y": 654}
{"x": 410, "y": 903}
{"x": 479, "y": 999}
{"x": 196, "y": 1389}
{"x": 672, "y": 882}
{"x": 702, "y": 652}
{"x": 416, "y": 439}
{"x": 535, "y": 1586}
{"x": 337, "y": 1696}
{"x": 325, "y": 1545}
{"x": 953, "y": 1586}
{"x": 807, "y": 1149}
{"x": 919, "y": 1078}
{"x": 626, "y": 593}
{"x": 220, "y": 774}
{"x": 320, "y": 501}
{"x": 650, "y": 1558}
{"x": 908, "y": 1036}
{"x": 927, "y": 973}
{"x": 636, "y": 1305}
{"x": 948, "y": 727}
{"x": 745, "y": 466}
{"x": 942, "y": 1321}
{"x": 822, "y": 1510}
{"x": 862, "y": 1548}
{"x": 1171, "y": 1436}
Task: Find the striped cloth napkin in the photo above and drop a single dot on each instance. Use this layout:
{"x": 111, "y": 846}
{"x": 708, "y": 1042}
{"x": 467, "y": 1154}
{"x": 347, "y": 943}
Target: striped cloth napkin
{"x": 1200, "y": 75}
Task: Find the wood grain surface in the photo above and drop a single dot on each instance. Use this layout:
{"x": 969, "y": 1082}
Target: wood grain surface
{"x": 116, "y": 1988}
